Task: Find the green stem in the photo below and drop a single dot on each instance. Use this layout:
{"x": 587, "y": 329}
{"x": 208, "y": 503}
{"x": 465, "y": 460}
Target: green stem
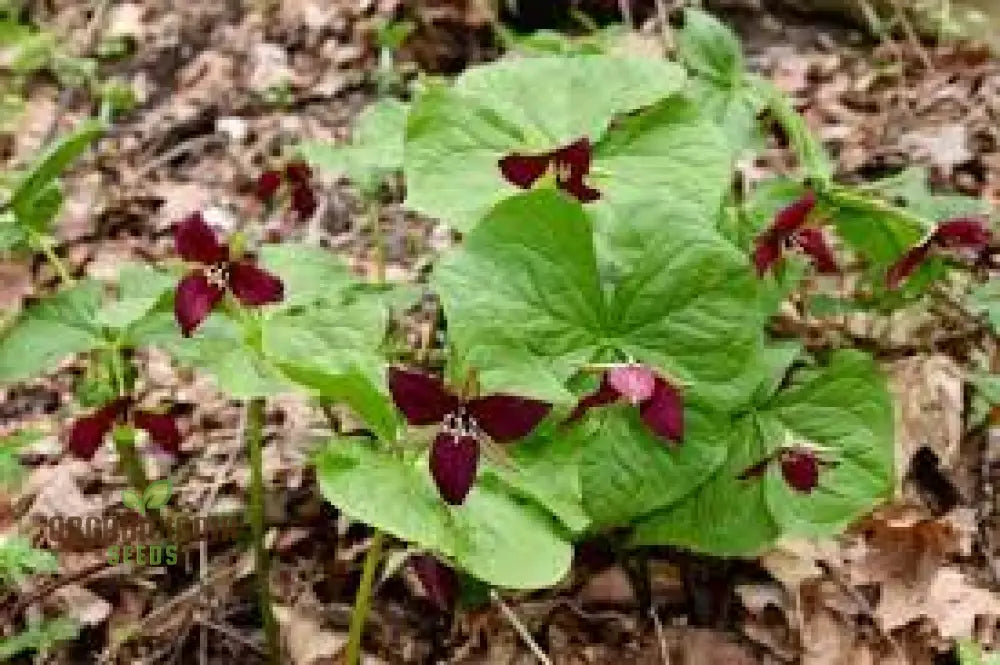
{"x": 50, "y": 255}
{"x": 363, "y": 599}
{"x": 378, "y": 240}
{"x": 255, "y": 441}
{"x": 128, "y": 458}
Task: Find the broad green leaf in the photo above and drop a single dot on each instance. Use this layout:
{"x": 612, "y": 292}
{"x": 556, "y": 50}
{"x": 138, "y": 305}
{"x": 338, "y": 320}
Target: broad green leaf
{"x": 846, "y": 412}
{"x": 38, "y": 212}
{"x": 310, "y": 274}
{"x": 878, "y": 231}
{"x": 140, "y": 289}
{"x": 40, "y": 637}
{"x": 49, "y": 331}
{"x": 910, "y": 188}
{"x": 727, "y": 516}
{"x": 11, "y": 470}
{"x": 132, "y": 500}
{"x": 375, "y": 150}
{"x": 456, "y": 136}
{"x": 708, "y": 48}
{"x": 626, "y": 471}
{"x": 19, "y": 559}
{"x": 157, "y": 494}
{"x": 494, "y": 536}
{"x": 51, "y": 165}
{"x": 812, "y": 156}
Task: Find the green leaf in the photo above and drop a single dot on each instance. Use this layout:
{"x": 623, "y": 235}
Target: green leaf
{"x": 911, "y": 189}
{"x": 51, "y": 165}
{"x": 985, "y": 299}
{"x": 157, "y": 494}
{"x": 456, "y": 136}
{"x": 727, "y": 516}
{"x": 11, "y": 470}
{"x": 708, "y": 48}
{"x": 494, "y": 536}
{"x": 310, "y": 274}
{"x": 813, "y": 157}
{"x": 878, "y": 231}
{"x": 41, "y": 637}
{"x": 140, "y": 289}
{"x": 626, "y": 471}
{"x": 375, "y": 150}
{"x": 686, "y": 303}
{"x": 12, "y": 236}
{"x": 18, "y": 559}
{"x": 846, "y": 412}
{"x": 131, "y": 499}
{"x": 38, "y": 212}
{"x": 49, "y": 331}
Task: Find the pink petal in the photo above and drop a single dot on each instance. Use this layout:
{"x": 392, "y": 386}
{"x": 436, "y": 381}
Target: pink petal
{"x": 901, "y": 270}
{"x": 268, "y": 184}
{"x": 800, "y": 468}
{"x": 633, "y": 382}
{"x": 524, "y": 170}
{"x": 298, "y": 172}
{"x": 813, "y": 243}
{"x": 766, "y": 254}
{"x": 454, "y": 460}
{"x": 87, "y": 433}
{"x": 422, "y": 398}
{"x": 194, "y": 299}
{"x": 506, "y": 417}
{"x": 604, "y": 395}
{"x": 792, "y": 217}
{"x": 304, "y": 201}
{"x": 196, "y": 241}
{"x": 162, "y": 430}
{"x": 253, "y": 286}
{"x": 664, "y": 412}
{"x": 439, "y": 582}
{"x": 964, "y": 232}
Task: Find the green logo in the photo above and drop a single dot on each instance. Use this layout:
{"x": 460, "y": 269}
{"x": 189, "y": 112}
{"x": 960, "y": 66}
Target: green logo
{"x": 155, "y": 497}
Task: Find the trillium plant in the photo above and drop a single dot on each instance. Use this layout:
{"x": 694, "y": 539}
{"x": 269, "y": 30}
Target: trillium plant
{"x": 624, "y": 347}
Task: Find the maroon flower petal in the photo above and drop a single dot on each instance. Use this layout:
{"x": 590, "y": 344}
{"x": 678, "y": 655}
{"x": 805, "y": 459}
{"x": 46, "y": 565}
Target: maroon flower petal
{"x": 506, "y": 417}
{"x": 304, "y": 201}
{"x": 439, "y": 582}
{"x": 454, "y": 460}
{"x": 604, "y": 395}
{"x": 790, "y": 218}
{"x": 193, "y": 300}
{"x": 253, "y": 286}
{"x": 766, "y": 254}
{"x": 633, "y": 382}
{"x": 423, "y": 399}
{"x": 800, "y": 468}
{"x": 88, "y": 432}
{"x": 813, "y": 243}
{"x": 964, "y": 232}
{"x": 524, "y": 170}
{"x": 576, "y": 188}
{"x": 901, "y": 270}
{"x": 162, "y": 430}
{"x": 268, "y": 184}
{"x": 298, "y": 172}
{"x": 664, "y": 412}
{"x": 196, "y": 241}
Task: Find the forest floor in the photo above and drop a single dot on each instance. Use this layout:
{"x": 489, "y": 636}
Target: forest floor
{"x": 226, "y": 89}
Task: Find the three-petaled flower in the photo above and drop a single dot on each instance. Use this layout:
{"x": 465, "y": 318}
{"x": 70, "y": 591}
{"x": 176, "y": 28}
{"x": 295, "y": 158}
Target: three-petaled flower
{"x": 463, "y": 423}
{"x": 202, "y": 289}
{"x": 298, "y": 176}
{"x": 570, "y": 165}
{"x": 788, "y": 230}
{"x": 960, "y": 233}
{"x": 800, "y": 467}
{"x": 88, "y": 432}
{"x": 661, "y": 406}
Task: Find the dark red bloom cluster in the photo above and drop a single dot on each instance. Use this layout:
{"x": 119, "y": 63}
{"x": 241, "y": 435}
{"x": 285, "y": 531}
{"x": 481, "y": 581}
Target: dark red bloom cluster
{"x": 424, "y": 400}
{"x": 570, "y": 163}
{"x": 788, "y": 230}
{"x": 661, "y": 406}
{"x": 202, "y": 289}
{"x": 88, "y": 432}
{"x": 800, "y": 467}
{"x": 298, "y": 177}
{"x": 960, "y": 233}
{"x": 439, "y": 582}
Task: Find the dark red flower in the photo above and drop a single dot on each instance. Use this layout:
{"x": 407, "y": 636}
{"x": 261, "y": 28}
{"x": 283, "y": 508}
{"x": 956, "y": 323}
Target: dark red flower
{"x": 298, "y": 176}
{"x": 788, "y": 230}
{"x": 425, "y": 400}
{"x": 570, "y": 164}
{"x": 202, "y": 289}
{"x": 961, "y": 233}
{"x": 439, "y": 582}
{"x": 661, "y": 405}
{"x": 88, "y": 432}
{"x": 800, "y": 467}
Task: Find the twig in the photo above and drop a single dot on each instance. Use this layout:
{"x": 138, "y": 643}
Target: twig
{"x": 521, "y": 629}
{"x": 234, "y": 635}
{"x": 911, "y": 35}
{"x": 363, "y": 599}
{"x": 626, "y": 10}
{"x": 661, "y": 639}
